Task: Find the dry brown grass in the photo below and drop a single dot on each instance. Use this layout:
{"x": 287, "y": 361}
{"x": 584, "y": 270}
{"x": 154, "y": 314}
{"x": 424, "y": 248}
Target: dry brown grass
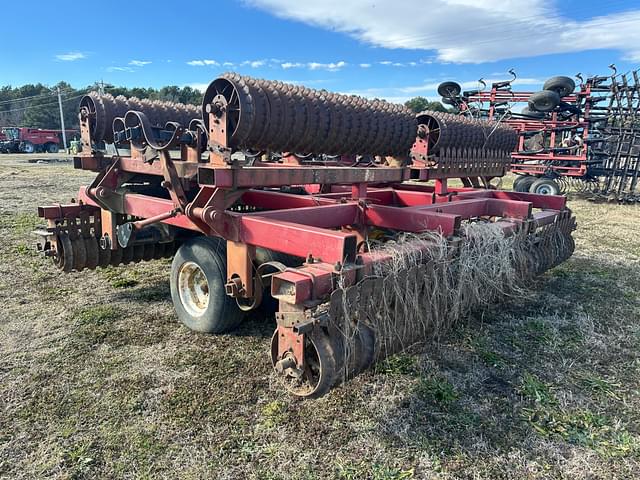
{"x": 98, "y": 380}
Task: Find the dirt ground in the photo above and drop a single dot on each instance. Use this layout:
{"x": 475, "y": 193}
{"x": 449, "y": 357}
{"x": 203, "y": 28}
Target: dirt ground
{"x": 99, "y": 380}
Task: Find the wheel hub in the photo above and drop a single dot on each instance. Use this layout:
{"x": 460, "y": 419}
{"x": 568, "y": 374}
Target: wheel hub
{"x": 193, "y": 289}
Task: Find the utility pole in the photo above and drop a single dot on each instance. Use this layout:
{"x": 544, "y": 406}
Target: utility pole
{"x": 64, "y": 134}
{"x": 102, "y": 86}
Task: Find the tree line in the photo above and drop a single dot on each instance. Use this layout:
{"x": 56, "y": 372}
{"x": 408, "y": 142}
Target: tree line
{"x": 36, "y": 105}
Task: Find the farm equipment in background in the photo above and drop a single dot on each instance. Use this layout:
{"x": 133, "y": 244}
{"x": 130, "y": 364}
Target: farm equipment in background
{"x": 587, "y": 139}
{"x": 31, "y": 140}
{"x": 323, "y": 202}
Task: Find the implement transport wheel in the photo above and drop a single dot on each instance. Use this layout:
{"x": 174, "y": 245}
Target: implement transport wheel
{"x": 198, "y": 278}
{"x": 527, "y": 112}
{"x": 449, "y": 89}
{"x": 544, "y": 101}
{"x": 545, "y": 186}
{"x": 563, "y": 86}
{"x": 320, "y": 368}
{"x": 523, "y": 183}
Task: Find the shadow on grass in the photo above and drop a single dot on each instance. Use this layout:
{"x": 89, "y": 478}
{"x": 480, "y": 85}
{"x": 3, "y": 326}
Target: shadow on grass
{"x": 259, "y": 322}
{"x": 514, "y": 376}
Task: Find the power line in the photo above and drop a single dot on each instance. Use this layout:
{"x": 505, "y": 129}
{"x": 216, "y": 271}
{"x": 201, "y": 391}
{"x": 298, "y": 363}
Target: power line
{"x": 33, "y": 97}
{"x": 48, "y": 94}
{"x": 40, "y": 105}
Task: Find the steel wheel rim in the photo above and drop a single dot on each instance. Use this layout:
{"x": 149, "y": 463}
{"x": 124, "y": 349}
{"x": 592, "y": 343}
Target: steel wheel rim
{"x": 302, "y": 383}
{"x": 544, "y": 190}
{"x": 193, "y": 289}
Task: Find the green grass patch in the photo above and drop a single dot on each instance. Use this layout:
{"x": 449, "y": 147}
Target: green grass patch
{"x": 540, "y": 330}
{"x": 533, "y": 389}
{"x": 24, "y": 250}
{"x": 399, "y": 364}
{"x": 97, "y": 325}
{"x": 372, "y": 471}
{"x": 20, "y": 223}
{"x": 491, "y": 358}
{"x": 120, "y": 277}
{"x": 436, "y": 388}
{"x": 273, "y": 414}
{"x": 607, "y": 436}
{"x": 98, "y": 314}
{"x": 601, "y": 387}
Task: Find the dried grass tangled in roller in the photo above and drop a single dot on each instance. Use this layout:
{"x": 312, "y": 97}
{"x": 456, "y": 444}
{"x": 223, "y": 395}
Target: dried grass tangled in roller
{"x": 430, "y": 284}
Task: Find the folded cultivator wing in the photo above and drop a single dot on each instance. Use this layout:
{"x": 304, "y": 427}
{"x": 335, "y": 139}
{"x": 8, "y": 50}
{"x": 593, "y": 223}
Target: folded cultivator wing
{"x": 320, "y": 200}
{"x": 586, "y": 137}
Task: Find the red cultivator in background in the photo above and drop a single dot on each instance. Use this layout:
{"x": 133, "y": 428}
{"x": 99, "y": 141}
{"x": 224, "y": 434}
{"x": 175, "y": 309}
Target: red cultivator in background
{"x": 588, "y": 139}
{"x": 317, "y": 199}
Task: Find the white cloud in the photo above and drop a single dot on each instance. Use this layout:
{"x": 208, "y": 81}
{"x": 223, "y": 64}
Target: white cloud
{"x": 139, "y": 63}
{"x": 253, "y": 63}
{"x": 203, "y": 63}
{"x": 490, "y": 30}
{"x": 228, "y": 64}
{"x": 332, "y": 67}
{"x": 119, "y": 69}
{"x": 71, "y": 56}
{"x": 389, "y": 63}
{"x": 365, "y": 65}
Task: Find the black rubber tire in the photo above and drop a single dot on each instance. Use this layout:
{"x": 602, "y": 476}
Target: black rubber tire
{"x": 544, "y": 101}
{"x": 53, "y": 148}
{"x": 449, "y": 89}
{"x": 524, "y": 183}
{"x": 210, "y": 255}
{"x": 519, "y": 179}
{"x": 28, "y": 147}
{"x": 545, "y": 186}
{"x": 527, "y": 112}
{"x": 563, "y": 86}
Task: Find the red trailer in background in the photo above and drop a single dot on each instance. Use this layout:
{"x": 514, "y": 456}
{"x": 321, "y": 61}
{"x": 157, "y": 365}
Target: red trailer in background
{"x": 31, "y": 140}
{"x": 588, "y": 139}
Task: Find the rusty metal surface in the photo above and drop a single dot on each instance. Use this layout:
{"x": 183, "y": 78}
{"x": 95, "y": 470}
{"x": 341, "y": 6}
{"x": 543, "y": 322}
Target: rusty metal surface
{"x": 289, "y": 118}
{"x": 73, "y": 241}
{"x": 103, "y": 109}
{"x": 444, "y": 130}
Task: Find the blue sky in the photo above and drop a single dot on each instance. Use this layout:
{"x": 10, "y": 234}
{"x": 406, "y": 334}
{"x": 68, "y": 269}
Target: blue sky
{"x": 391, "y": 49}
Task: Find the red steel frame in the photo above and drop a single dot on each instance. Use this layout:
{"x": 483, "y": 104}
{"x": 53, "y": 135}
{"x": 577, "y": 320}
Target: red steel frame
{"x": 325, "y": 229}
{"x": 545, "y": 162}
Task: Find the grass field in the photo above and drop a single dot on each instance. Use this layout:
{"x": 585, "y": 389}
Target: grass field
{"x": 99, "y": 380}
